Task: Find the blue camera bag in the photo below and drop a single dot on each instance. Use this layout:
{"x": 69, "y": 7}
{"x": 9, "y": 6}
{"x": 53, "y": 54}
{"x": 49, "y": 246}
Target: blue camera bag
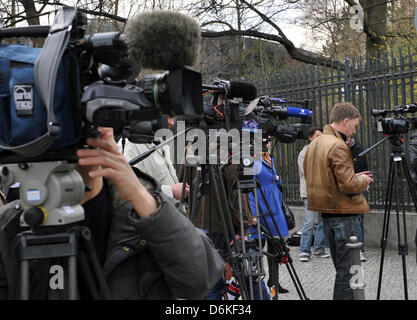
{"x": 23, "y": 116}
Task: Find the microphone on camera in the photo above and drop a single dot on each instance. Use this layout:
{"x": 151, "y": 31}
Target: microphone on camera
{"x": 163, "y": 40}
{"x": 298, "y": 112}
{"x": 234, "y": 89}
{"x": 246, "y": 91}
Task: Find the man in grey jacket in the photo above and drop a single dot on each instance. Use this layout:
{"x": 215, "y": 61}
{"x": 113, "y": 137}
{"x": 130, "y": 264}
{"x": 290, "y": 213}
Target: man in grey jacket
{"x": 151, "y": 249}
{"x": 310, "y": 216}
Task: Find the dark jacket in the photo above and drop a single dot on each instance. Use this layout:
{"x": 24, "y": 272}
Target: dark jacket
{"x": 207, "y": 214}
{"x": 332, "y": 186}
{"x": 161, "y": 257}
{"x": 360, "y": 164}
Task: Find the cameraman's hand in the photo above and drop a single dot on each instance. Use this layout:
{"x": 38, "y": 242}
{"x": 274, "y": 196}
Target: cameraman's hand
{"x": 107, "y": 161}
{"x": 177, "y": 190}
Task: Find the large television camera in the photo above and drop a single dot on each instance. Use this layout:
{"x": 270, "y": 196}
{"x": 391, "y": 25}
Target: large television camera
{"x": 78, "y": 83}
{"x": 53, "y": 98}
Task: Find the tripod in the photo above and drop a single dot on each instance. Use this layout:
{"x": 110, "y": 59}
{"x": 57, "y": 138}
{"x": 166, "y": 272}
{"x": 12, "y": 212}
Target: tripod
{"x": 280, "y": 253}
{"x": 398, "y": 168}
{"x": 73, "y": 243}
{"x": 245, "y": 262}
{"x": 53, "y": 218}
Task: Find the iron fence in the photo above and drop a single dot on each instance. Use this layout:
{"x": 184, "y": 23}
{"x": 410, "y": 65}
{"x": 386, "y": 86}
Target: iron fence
{"x": 380, "y": 83}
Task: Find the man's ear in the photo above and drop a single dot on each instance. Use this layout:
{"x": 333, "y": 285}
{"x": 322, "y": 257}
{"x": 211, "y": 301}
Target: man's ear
{"x": 345, "y": 122}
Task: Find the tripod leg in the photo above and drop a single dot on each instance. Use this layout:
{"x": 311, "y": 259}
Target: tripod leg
{"x": 72, "y": 271}
{"x": 194, "y": 190}
{"x": 273, "y": 269}
{"x": 281, "y": 248}
{"x": 258, "y": 230}
{"x": 24, "y": 273}
{"x": 385, "y": 226}
{"x": 411, "y": 187}
{"x": 184, "y": 183}
{"x": 88, "y": 275}
{"x": 251, "y": 296}
{"x": 402, "y": 247}
{"x": 25, "y": 276}
{"x": 237, "y": 268}
{"x": 91, "y": 254}
{"x": 72, "y": 285}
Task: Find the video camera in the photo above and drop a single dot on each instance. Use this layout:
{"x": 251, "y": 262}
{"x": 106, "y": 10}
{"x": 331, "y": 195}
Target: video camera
{"x": 76, "y": 83}
{"x": 270, "y": 115}
{"x": 52, "y": 99}
{"x": 400, "y": 123}
{"x": 226, "y": 109}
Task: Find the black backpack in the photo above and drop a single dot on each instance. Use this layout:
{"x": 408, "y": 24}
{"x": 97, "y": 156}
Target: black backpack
{"x": 294, "y": 240}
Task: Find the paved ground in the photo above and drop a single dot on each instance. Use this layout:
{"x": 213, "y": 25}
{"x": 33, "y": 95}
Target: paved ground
{"x": 317, "y": 276}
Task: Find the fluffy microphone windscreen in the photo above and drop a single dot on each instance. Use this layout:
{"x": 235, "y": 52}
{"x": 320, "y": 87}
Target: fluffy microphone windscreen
{"x": 163, "y": 39}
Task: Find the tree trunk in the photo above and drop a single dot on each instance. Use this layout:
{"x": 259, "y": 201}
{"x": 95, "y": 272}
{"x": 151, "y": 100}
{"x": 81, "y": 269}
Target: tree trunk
{"x": 241, "y": 62}
{"x": 375, "y": 26}
{"x": 33, "y": 19}
{"x": 31, "y": 13}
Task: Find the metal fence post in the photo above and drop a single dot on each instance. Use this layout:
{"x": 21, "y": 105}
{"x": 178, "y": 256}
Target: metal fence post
{"x": 357, "y": 282}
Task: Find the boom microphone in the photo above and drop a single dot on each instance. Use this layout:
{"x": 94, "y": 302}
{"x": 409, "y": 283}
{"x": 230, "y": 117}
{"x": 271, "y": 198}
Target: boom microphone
{"x": 163, "y": 40}
{"x": 234, "y": 89}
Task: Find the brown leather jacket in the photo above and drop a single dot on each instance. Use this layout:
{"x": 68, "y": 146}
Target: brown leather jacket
{"x": 332, "y": 186}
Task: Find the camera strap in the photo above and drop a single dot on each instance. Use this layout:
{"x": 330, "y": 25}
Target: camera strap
{"x": 46, "y": 68}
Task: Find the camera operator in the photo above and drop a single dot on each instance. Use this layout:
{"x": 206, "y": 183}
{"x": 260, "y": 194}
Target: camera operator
{"x": 147, "y": 246}
{"x": 334, "y": 190}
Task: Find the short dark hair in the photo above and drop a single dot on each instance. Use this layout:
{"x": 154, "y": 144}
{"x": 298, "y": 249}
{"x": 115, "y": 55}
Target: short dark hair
{"x": 343, "y": 110}
{"x": 312, "y": 130}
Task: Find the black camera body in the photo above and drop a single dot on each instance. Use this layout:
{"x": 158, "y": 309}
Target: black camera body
{"x": 399, "y": 124}
{"x": 101, "y": 91}
{"x": 270, "y": 119}
{"x": 393, "y": 126}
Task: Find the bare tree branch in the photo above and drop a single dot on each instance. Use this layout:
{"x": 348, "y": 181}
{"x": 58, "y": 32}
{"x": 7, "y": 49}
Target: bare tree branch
{"x": 295, "y": 53}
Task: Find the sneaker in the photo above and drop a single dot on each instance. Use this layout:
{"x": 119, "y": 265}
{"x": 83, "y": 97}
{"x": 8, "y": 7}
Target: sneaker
{"x": 304, "y": 257}
{"x": 322, "y": 254}
{"x": 363, "y": 258}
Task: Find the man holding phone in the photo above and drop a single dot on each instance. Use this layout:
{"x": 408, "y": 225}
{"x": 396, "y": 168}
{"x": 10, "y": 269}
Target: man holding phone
{"x": 336, "y": 191}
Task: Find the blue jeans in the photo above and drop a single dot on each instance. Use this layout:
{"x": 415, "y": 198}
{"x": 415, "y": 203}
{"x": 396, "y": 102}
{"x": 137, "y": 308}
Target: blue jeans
{"x": 320, "y": 242}
{"x": 338, "y": 230}
{"x": 361, "y": 230}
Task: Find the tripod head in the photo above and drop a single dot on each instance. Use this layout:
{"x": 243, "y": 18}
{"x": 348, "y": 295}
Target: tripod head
{"x": 50, "y": 192}
{"x": 396, "y": 141}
